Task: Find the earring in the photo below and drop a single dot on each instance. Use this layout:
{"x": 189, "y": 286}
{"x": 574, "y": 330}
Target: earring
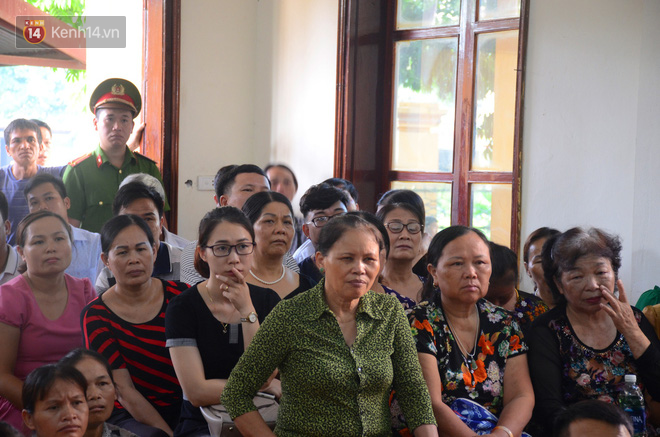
{"x": 322, "y": 270}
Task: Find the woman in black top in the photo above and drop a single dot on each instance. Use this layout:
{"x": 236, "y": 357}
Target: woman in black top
{"x": 271, "y": 215}
{"x": 209, "y": 325}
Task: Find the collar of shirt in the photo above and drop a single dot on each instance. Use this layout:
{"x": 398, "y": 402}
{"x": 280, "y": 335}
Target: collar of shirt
{"x": 162, "y": 265}
{"x": 102, "y": 158}
{"x": 12, "y": 261}
{"x": 317, "y": 306}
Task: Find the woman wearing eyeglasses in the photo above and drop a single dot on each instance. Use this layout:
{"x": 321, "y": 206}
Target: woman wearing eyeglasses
{"x": 405, "y": 227}
{"x": 209, "y": 325}
{"x": 126, "y": 325}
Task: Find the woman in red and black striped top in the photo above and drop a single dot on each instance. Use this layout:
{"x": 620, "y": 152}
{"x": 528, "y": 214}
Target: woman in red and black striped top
{"x": 127, "y": 326}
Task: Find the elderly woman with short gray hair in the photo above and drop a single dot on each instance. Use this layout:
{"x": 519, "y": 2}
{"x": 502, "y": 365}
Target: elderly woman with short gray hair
{"x": 583, "y": 348}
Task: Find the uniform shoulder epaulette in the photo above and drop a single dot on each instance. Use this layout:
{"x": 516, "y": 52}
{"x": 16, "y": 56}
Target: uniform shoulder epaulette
{"x": 144, "y": 157}
{"x": 80, "y": 159}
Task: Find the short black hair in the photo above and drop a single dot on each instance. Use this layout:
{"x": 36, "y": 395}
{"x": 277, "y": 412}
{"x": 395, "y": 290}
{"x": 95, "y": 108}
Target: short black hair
{"x": 40, "y": 380}
{"x": 321, "y": 196}
{"x": 594, "y": 410}
{"x": 224, "y": 178}
{"x": 256, "y": 203}
{"x": 538, "y": 234}
{"x": 134, "y": 191}
{"x": 21, "y": 123}
{"x": 337, "y": 227}
{"x": 285, "y": 167}
{"x": 79, "y": 354}
{"x": 504, "y": 262}
{"x": 378, "y": 224}
{"x": 118, "y": 223}
{"x": 437, "y": 246}
{"x": 344, "y": 184}
{"x": 410, "y": 207}
{"x": 45, "y": 178}
{"x": 402, "y": 196}
{"x": 4, "y": 207}
{"x": 42, "y": 124}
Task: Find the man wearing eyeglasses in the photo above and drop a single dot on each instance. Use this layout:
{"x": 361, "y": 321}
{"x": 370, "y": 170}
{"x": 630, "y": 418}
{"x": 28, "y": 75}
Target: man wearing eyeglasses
{"x": 318, "y": 205}
{"x": 306, "y": 249}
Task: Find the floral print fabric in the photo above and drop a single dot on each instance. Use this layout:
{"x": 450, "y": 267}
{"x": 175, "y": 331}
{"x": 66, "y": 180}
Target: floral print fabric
{"x": 528, "y": 307}
{"x": 590, "y": 373}
{"x": 480, "y": 380}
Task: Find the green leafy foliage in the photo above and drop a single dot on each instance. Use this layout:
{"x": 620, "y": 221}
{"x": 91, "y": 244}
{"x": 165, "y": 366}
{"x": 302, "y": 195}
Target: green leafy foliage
{"x": 70, "y": 12}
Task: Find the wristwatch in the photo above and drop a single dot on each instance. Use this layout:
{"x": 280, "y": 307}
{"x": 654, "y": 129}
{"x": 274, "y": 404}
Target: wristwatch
{"x": 252, "y": 318}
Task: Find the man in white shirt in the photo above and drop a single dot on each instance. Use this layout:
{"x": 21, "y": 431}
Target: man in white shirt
{"x": 47, "y": 192}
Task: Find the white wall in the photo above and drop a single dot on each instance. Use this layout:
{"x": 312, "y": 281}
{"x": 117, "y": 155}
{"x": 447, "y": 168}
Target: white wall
{"x": 297, "y": 55}
{"x": 646, "y": 228}
{"x": 257, "y": 85}
{"x": 588, "y": 145}
{"x": 218, "y": 46}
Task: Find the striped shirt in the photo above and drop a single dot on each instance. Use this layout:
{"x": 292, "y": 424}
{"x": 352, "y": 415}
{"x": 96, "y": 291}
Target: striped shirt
{"x": 137, "y": 347}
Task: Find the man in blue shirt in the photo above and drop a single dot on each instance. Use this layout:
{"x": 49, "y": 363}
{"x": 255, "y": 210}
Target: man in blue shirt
{"x": 23, "y": 142}
{"x": 45, "y": 191}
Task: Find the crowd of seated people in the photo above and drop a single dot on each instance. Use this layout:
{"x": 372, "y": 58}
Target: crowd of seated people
{"x": 357, "y": 323}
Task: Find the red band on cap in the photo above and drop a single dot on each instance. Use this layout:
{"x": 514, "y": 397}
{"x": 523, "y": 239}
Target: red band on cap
{"x": 110, "y": 97}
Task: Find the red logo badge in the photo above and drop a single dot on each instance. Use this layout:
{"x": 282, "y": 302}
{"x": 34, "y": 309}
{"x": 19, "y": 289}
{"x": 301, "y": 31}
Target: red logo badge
{"x": 34, "y": 31}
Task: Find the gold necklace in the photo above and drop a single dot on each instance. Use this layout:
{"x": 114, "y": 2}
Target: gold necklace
{"x": 208, "y": 293}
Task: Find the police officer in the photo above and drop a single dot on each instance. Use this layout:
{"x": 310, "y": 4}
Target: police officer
{"x": 93, "y": 180}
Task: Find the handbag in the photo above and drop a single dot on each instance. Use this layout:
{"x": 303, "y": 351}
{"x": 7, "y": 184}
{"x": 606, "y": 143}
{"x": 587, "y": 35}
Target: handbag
{"x": 221, "y": 424}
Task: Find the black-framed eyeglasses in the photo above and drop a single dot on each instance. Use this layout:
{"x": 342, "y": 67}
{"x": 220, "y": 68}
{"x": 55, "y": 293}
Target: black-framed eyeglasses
{"x": 323, "y": 220}
{"x": 222, "y": 249}
{"x": 397, "y": 227}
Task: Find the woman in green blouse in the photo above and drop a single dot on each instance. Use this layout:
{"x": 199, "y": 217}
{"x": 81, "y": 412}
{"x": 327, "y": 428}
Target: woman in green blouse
{"x": 339, "y": 348}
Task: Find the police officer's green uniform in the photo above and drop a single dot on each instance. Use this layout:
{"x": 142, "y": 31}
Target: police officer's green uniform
{"x": 92, "y": 181}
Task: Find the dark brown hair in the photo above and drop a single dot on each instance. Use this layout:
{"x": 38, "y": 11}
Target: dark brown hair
{"x": 212, "y": 219}
{"x": 23, "y": 226}
{"x": 40, "y": 380}
{"x": 539, "y": 234}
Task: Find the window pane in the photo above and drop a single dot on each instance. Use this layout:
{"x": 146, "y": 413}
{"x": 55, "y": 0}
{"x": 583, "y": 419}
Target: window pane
{"x": 495, "y": 96}
{"x": 437, "y": 202}
{"x": 427, "y": 13}
{"x": 493, "y": 9}
{"x": 424, "y": 102}
{"x": 491, "y": 211}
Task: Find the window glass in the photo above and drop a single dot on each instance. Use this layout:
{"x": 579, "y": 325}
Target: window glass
{"x": 494, "y": 9}
{"x": 491, "y": 211}
{"x": 437, "y": 202}
{"x": 424, "y": 105}
{"x": 412, "y": 14}
{"x": 495, "y": 101}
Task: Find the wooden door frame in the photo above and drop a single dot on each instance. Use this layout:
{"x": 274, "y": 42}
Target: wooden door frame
{"x": 160, "y": 88}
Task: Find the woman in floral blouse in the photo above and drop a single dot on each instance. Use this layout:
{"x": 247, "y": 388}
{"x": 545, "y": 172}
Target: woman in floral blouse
{"x": 583, "y": 348}
{"x": 502, "y": 289}
{"x": 468, "y": 347}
